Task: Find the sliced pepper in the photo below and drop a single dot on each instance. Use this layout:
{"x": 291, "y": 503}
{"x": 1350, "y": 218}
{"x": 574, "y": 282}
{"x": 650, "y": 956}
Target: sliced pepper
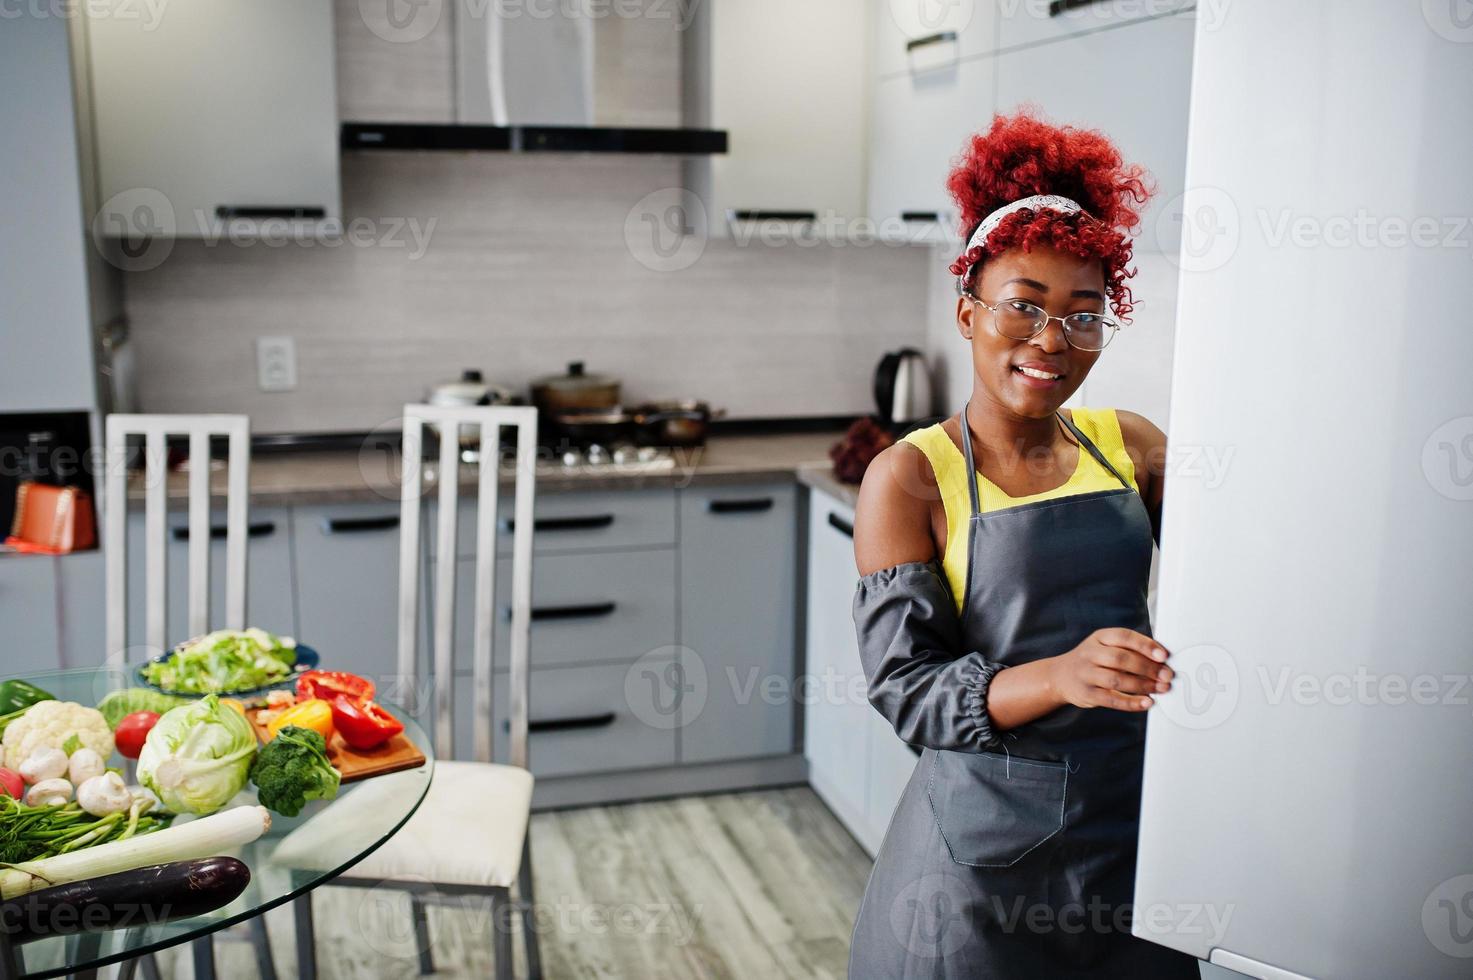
{"x": 363, "y": 723}
{"x": 328, "y": 684}
{"x": 17, "y": 697}
{"x": 314, "y": 713}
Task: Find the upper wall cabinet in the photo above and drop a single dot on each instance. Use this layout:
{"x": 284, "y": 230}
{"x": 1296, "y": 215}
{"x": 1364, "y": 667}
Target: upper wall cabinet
{"x": 1035, "y": 21}
{"x": 214, "y": 110}
{"x": 913, "y": 36}
{"x": 788, "y": 81}
{"x": 1079, "y": 80}
{"x": 934, "y": 88}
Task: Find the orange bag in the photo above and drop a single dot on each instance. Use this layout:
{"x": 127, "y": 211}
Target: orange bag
{"x": 52, "y": 520}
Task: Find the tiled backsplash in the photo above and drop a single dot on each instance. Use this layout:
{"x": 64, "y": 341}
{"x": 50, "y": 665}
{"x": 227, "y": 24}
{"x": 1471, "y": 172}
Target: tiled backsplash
{"x": 516, "y": 265}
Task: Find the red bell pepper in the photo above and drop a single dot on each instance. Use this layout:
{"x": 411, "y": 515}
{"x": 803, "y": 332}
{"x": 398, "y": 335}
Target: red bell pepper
{"x": 328, "y": 684}
{"x": 363, "y": 723}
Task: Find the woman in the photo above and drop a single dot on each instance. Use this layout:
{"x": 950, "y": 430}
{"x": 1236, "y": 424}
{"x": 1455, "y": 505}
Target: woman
{"x": 1002, "y": 617}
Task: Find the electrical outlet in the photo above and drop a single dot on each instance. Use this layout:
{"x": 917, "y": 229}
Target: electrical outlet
{"x": 276, "y": 363}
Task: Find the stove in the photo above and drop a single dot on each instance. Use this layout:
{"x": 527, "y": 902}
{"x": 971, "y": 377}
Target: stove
{"x": 618, "y": 458}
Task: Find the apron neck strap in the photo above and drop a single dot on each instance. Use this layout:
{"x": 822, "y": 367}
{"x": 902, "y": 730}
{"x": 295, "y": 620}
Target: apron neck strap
{"x": 971, "y": 464}
{"x": 1084, "y": 441}
{"x": 1093, "y": 449}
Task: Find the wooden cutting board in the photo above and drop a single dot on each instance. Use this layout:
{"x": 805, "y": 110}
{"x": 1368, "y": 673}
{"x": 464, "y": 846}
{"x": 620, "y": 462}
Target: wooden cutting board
{"x": 395, "y": 755}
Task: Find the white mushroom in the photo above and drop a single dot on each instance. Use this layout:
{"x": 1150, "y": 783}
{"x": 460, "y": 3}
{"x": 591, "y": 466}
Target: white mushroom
{"x": 43, "y": 764}
{"x": 84, "y": 764}
{"x": 104, "y": 794}
{"x": 49, "y": 792}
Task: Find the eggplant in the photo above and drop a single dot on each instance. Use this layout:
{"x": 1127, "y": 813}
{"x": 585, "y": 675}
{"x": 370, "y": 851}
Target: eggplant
{"x": 141, "y": 897}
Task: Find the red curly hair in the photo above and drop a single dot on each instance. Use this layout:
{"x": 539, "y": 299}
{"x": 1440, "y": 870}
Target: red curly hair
{"x": 1022, "y": 155}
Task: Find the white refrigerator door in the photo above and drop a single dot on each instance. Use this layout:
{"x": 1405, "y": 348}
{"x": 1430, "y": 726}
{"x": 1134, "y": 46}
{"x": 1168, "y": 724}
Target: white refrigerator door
{"x": 1309, "y": 780}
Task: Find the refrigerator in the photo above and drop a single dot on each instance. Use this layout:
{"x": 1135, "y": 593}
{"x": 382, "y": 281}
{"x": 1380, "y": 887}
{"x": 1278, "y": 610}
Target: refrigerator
{"x": 1308, "y": 799}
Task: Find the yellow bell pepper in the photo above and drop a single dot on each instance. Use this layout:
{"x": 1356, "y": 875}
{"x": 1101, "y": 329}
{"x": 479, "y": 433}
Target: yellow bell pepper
{"x": 238, "y": 706}
{"x": 314, "y": 713}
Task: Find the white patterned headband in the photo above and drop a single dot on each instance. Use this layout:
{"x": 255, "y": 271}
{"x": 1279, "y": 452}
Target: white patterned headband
{"x": 1038, "y": 202}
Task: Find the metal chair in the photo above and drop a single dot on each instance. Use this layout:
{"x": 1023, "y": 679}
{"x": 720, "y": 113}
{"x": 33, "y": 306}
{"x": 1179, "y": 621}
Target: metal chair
{"x": 469, "y": 836}
{"x": 155, "y": 430}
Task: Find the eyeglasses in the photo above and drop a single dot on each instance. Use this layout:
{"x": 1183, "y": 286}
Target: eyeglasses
{"x": 1018, "y": 319}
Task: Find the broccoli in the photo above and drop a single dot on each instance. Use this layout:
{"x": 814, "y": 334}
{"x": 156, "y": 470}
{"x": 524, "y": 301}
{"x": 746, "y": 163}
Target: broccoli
{"x": 291, "y": 769}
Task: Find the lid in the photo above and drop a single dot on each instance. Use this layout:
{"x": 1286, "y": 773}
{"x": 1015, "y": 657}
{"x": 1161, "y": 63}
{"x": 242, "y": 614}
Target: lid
{"x": 575, "y": 380}
{"x": 467, "y": 390}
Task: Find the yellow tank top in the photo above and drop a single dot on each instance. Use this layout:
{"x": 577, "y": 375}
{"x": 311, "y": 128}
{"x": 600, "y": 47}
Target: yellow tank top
{"x": 1100, "y": 425}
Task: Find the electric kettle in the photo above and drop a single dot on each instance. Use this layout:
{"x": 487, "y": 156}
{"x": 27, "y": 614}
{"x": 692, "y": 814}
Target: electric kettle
{"x": 903, "y": 387}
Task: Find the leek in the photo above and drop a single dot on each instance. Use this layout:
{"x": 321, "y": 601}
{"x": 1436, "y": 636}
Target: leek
{"x": 205, "y": 837}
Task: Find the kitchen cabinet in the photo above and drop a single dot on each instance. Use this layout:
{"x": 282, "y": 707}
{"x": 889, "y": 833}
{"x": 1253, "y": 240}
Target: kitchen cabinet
{"x": 572, "y": 522}
{"x": 47, "y": 363}
{"x": 738, "y": 576}
{"x": 787, "y": 81}
{"x": 919, "y": 127}
{"x": 347, "y": 576}
{"x": 270, "y": 583}
{"x": 28, "y": 608}
{"x": 856, "y": 762}
{"x": 1152, "y": 56}
{"x": 914, "y": 35}
{"x": 605, "y": 607}
{"x": 836, "y": 713}
{"x": 1029, "y": 22}
{"x": 195, "y": 125}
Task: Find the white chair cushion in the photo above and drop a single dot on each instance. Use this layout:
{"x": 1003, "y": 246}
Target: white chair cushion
{"x": 468, "y": 831}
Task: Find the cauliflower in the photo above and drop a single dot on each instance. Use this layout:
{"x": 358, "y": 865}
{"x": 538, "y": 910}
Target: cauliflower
{"x": 48, "y": 724}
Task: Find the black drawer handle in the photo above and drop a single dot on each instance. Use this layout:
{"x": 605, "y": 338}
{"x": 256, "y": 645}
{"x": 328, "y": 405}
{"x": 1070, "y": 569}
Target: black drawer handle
{"x": 218, "y": 532}
{"x": 355, "y": 525}
{"x": 930, "y": 39}
{"x": 920, "y": 216}
{"x": 227, "y": 212}
{"x": 567, "y": 724}
{"x": 750, "y": 214}
{"x": 1057, "y": 7}
{"x": 843, "y": 526}
{"x": 754, "y": 506}
{"x": 563, "y": 523}
{"x": 542, "y": 614}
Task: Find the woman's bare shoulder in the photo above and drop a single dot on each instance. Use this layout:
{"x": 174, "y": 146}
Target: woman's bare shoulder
{"x": 892, "y": 521}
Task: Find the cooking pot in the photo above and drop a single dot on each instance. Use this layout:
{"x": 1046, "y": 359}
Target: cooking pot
{"x": 576, "y": 391}
{"x": 656, "y": 424}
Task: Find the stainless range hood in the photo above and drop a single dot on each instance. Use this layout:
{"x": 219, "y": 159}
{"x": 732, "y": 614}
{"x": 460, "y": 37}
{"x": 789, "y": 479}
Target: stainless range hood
{"x": 524, "y": 81}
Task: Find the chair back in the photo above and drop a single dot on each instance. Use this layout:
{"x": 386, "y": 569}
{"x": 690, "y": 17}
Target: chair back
{"x": 155, "y": 429}
{"x": 448, "y": 422}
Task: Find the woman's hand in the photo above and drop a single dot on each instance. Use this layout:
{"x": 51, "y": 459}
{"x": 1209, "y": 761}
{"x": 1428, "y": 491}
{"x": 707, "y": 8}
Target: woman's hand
{"x": 1113, "y": 668}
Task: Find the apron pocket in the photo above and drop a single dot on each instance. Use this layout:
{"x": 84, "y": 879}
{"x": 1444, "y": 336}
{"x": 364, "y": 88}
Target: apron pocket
{"x": 991, "y": 809}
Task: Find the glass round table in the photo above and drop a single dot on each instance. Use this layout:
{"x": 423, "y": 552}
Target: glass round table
{"x": 294, "y": 856}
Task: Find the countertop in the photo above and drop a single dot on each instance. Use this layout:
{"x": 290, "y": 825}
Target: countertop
{"x": 371, "y": 473}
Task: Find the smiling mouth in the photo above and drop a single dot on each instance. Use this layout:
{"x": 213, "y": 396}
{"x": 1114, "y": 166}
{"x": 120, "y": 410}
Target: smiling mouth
{"x": 1035, "y": 373}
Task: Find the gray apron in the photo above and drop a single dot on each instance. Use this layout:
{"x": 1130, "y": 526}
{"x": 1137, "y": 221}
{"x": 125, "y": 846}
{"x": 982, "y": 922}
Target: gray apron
{"x": 1019, "y": 860}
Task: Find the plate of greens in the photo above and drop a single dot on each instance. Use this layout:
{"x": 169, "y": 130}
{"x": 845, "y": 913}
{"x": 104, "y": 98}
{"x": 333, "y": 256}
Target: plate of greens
{"x": 237, "y": 662}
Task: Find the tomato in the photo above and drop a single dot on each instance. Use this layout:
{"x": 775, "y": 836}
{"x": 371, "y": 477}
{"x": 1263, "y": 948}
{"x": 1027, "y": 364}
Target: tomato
{"x": 363, "y": 724}
{"x": 11, "y": 784}
{"x": 313, "y": 713}
{"x": 132, "y": 730}
{"x": 328, "y": 684}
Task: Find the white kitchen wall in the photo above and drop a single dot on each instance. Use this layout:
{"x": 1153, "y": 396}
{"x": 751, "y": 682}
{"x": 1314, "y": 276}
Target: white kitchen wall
{"x": 526, "y": 264}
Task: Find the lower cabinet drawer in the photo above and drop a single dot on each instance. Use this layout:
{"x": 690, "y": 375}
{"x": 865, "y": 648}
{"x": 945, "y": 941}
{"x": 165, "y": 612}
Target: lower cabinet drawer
{"x": 610, "y": 607}
{"x": 583, "y": 719}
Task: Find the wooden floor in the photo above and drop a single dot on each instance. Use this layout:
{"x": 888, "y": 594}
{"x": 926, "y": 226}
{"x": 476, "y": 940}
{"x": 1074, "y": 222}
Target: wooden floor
{"x": 760, "y": 884}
